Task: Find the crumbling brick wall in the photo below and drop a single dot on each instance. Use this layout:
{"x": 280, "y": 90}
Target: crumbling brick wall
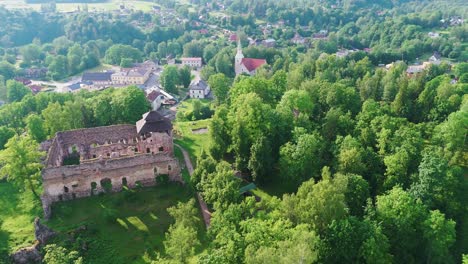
{"x": 115, "y": 154}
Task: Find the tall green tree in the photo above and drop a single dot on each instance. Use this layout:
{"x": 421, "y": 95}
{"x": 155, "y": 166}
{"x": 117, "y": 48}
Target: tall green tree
{"x": 221, "y": 187}
{"x": 5, "y": 134}
{"x": 185, "y": 76}
{"x": 219, "y": 84}
{"x": 21, "y": 163}
{"x": 16, "y": 91}
{"x": 35, "y": 127}
{"x": 169, "y": 78}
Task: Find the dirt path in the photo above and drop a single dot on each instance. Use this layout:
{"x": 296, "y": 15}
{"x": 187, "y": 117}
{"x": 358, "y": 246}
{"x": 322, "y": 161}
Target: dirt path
{"x": 205, "y": 212}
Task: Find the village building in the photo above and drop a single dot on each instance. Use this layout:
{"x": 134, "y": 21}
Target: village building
{"x": 136, "y": 76}
{"x": 155, "y": 98}
{"x": 298, "y": 39}
{"x": 192, "y": 62}
{"x": 98, "y": 79}
{"x": 86, "y": 162}
{"x": 435, "y": 58}
{"x": 246, "y": 65}
{"x": 269, "y": 43}
{"x": 199, "y": 89}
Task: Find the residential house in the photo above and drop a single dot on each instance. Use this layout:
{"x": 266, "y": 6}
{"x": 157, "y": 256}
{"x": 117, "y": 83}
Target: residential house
{"x": 35, "y": 73}
{"x": 433, "y": 35}
{"x": 298, "y": 39}
{"x": 199, "y": 89}
{"x": 192, "y": 62}
{"x": 35, "y": 88}
{"x": 24, "y": 81}
{"x": 322, "y": 34}
{"x": 155, "y": 98}
{"x": 233, "y": 38}
{"x": 269, "y": 43}
{"x": 416, "y": 69}
{"x": 435, "y": 58}
{"x": 98, "y": 79}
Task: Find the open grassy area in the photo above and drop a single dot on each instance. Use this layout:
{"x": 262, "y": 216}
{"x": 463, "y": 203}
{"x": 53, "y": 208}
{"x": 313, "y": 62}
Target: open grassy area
{"x": 125, "y": 227}
{"x": 193, "y": 143}
{"x": 17, "y": 213}
{"x": 186, "y": 107}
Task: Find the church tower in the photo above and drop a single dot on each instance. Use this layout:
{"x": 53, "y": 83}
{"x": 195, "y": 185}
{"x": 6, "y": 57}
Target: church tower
{"x": 238, "y": 58}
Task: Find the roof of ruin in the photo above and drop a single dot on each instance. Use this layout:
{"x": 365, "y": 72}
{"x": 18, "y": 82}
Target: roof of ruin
{"x": 153, "y": 122}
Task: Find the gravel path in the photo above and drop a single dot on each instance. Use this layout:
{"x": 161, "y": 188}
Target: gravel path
{"x": 205, "y": 212}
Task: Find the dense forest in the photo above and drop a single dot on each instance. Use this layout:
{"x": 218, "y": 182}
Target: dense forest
{"x": 355, "y": 159}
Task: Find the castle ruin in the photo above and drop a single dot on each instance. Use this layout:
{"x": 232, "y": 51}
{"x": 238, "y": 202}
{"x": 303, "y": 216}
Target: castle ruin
{"x": 90, "y": 161}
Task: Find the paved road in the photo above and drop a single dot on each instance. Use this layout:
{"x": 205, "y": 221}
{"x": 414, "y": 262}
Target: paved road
{"x": 205, "y": 212}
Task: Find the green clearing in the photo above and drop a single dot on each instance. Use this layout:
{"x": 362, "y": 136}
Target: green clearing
{"x": 193, "y": 143}
{"x": 186, "y": 107}
{"x": 17, "y": 212}
{"x": 125, "y": 227}
{"x": 180, "y": 156}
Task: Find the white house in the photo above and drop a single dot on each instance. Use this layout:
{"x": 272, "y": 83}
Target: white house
{"x": 199, "y": 89}
{"x": 155, "y": 98}
{"x": 192, "y": 62}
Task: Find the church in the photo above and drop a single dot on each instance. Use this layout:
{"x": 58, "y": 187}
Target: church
{"x": 246, "y": 65}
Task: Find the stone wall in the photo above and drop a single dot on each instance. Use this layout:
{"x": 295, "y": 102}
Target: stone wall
{"x": 70, "y": 182}
{"x": 113, "y": 154}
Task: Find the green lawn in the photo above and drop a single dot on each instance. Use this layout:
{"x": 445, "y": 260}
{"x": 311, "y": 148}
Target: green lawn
{"x": 17, "y": 213}
{"x": 180, "y": 157}
{"x": 186, "y": 106}
{"x": 125, "y": 227}
{"x": 193, "y": 143}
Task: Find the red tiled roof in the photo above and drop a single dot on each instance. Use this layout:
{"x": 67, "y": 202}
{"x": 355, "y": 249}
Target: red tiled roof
{"x": 233, "y": 37}
{"x": 252, "y": 64}
{"x": 153, "y": 95}
{"x": 35, "y": 88}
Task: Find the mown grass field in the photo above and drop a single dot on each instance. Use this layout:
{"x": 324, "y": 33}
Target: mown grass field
{"x": 125, "y": 227}
{"x": 193, "y": 143}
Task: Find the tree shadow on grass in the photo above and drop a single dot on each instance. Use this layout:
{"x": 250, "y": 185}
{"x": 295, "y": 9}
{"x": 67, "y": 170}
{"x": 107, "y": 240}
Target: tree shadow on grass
{"x": 4, "y": 245}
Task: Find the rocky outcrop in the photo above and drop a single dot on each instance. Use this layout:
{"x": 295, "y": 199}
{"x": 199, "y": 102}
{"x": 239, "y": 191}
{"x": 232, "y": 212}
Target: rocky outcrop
{"x": 27, "y": 255}
{"x": 31, "y": 254}
{"x": 42, "y": 232}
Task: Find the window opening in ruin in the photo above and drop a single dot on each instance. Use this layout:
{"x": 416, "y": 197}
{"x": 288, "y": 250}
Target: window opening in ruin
{"x": 148, "y": 150}
{"x": 75, "y": 185}
{"x": 169, "y": 167}
{"x": 106, "y": 184}
{"x": 65, "y": 189}
{"x": 94, "y": 156}
{"x": 108, "y": 154}
{"x": 136, "y": 149}
{"x": 161, "y": 148}
{"x": 93, "y": 186}
{"x": 124, "y": 181}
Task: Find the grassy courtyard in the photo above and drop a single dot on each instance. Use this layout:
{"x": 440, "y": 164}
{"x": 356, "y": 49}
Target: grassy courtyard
{"x": 125, "y": 227}
{"x": 192, "y": 142}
